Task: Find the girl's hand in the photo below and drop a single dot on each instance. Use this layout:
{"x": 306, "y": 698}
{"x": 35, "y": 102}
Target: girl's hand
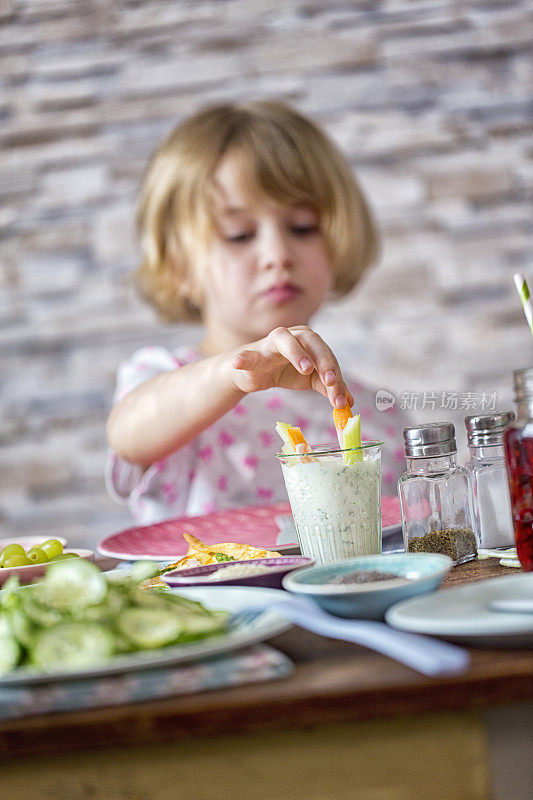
{"x": 291, "y": 358}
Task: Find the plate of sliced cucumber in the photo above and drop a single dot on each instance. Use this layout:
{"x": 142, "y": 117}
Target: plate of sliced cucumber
{"x": 80, "y": 622}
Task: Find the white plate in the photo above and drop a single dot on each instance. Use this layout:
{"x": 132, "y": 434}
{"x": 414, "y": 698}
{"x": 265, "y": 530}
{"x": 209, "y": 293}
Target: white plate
{"x": 463, "y": 613}
{"x": 233, "y": 599}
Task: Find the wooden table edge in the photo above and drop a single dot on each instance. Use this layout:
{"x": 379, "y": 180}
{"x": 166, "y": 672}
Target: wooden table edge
{"x": 356, "y": 687}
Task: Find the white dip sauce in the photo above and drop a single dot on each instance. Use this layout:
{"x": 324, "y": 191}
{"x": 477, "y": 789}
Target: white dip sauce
{"x": 336, "y": 507}
{"x": 237, "y": 571}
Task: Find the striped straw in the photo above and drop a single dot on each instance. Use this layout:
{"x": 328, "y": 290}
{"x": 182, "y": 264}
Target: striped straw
{"x": 523, "y": 290}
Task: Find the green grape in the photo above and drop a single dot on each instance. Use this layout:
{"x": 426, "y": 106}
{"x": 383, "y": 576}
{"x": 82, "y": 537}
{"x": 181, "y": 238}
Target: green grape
{"x": 52, "y": 548}
{"x": 37, "y": 555}
{"x": 11, "y": 550}
{"x": 17, "y": 560}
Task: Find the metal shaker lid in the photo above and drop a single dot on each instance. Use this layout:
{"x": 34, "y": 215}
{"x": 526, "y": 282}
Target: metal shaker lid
{"x": 523, "y": 383}
{"x": 488, "y": 429}
{"x": 432, "y": 439}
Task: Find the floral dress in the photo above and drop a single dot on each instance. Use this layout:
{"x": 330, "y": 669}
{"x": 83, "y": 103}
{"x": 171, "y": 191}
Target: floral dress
{"x": 232, "y": 463}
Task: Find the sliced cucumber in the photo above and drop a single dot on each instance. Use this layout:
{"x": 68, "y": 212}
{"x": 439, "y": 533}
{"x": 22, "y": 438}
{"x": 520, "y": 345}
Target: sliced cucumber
{"x": 154, "y": 598}
{"x": 6, "y": 631}
{"x": 147, "y": 598}
{"x": 21, "y": 626}
{"x": 106, "y": 611}
{"x": 71, "y": 585}
{"x": 9, "y": 594}
{"x": 12, "y": 613}
{"x": 137, "y": 573}
{"x": 75, "y": 618}
{"x": 38, "y": 614}
{"x": 10, "y": 650}
{"x": 196, "y": 626}
{"x": 150, "y": 627}
{"x": 9, "y": 654}
{"x": 72, "y": 645}
{"x": 186, "y": 605}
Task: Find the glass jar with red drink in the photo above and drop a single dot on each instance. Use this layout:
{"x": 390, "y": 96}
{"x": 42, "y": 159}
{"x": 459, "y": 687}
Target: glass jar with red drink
{"x": 518, "y": 440}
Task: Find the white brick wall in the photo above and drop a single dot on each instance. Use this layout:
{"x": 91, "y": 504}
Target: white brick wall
{"x": 430, "y": 102}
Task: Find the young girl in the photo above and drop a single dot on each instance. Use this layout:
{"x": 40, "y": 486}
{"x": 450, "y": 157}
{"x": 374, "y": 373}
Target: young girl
{"x": 249, "y": 220}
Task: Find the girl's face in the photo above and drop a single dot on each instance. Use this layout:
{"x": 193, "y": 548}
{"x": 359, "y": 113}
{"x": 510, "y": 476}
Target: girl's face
{"x": 267, "y": 266}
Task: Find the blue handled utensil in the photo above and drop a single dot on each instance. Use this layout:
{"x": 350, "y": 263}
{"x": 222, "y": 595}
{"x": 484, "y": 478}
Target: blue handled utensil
{"x": 426, "y": 655}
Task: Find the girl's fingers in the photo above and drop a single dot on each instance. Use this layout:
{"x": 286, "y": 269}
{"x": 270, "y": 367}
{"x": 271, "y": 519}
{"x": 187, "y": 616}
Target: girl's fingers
{"x": 306, "y": 351}
{"x": 283, "y": 341}
{"x": 246, "y": 359}
{"x": 326, "y": 365}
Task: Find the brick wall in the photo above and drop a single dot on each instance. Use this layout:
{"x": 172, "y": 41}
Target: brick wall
{"x": 430, "y": 101}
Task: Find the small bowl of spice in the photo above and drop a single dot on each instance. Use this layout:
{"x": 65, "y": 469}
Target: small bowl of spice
{"x": 365, "y": 587}
{"x": 251, "y": 572}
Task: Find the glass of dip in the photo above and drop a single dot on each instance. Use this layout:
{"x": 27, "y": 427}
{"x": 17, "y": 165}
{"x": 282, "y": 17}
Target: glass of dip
{"x": 335, "y": 498}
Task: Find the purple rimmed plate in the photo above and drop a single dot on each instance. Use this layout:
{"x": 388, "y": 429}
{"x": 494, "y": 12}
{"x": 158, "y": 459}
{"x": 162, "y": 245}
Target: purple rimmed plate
{"x": 201, "y": 576}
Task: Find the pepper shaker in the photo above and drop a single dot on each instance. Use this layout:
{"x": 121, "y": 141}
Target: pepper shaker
{"x": 435, "y": 494}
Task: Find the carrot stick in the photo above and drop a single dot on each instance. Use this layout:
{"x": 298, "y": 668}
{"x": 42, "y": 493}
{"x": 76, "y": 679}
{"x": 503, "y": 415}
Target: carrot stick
{"x": 341, "y": 416}
{"x": 296, "y": 436}
{"x": 297, "y": 439}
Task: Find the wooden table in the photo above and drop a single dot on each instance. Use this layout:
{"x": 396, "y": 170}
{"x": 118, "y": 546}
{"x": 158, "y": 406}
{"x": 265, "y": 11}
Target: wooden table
{"x": 347, "y": 723}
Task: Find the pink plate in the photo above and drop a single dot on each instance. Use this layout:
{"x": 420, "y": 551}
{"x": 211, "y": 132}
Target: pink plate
{"x": 30, "y": 573}
{"x": 253, "y": 525}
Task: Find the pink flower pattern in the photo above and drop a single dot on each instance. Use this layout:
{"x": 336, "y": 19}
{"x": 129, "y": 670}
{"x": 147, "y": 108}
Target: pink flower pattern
{"x": 169, "y": 492}
{"x": 301, "y": 422}
{"x": 263, "y": 493}
{"x": 388, "y": 476}
{"x": 206, "y": 453}
{"x": 399, "y": 454}
{"x": 274, "y": 403}
{"x": 225, "y": 439}
{"x": 266, "y": 438}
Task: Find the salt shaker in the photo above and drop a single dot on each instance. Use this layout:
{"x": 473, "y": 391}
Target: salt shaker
{"x": 488, "y": 472}
{"x": 435, "y": 494}
{"x": 518, "y": 442}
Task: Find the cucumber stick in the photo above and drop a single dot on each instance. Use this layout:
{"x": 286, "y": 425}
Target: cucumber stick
{"x": 351, "y": 438}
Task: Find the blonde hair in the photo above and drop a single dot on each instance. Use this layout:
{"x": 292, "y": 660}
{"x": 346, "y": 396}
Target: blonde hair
{"x": 285, "y": 158}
